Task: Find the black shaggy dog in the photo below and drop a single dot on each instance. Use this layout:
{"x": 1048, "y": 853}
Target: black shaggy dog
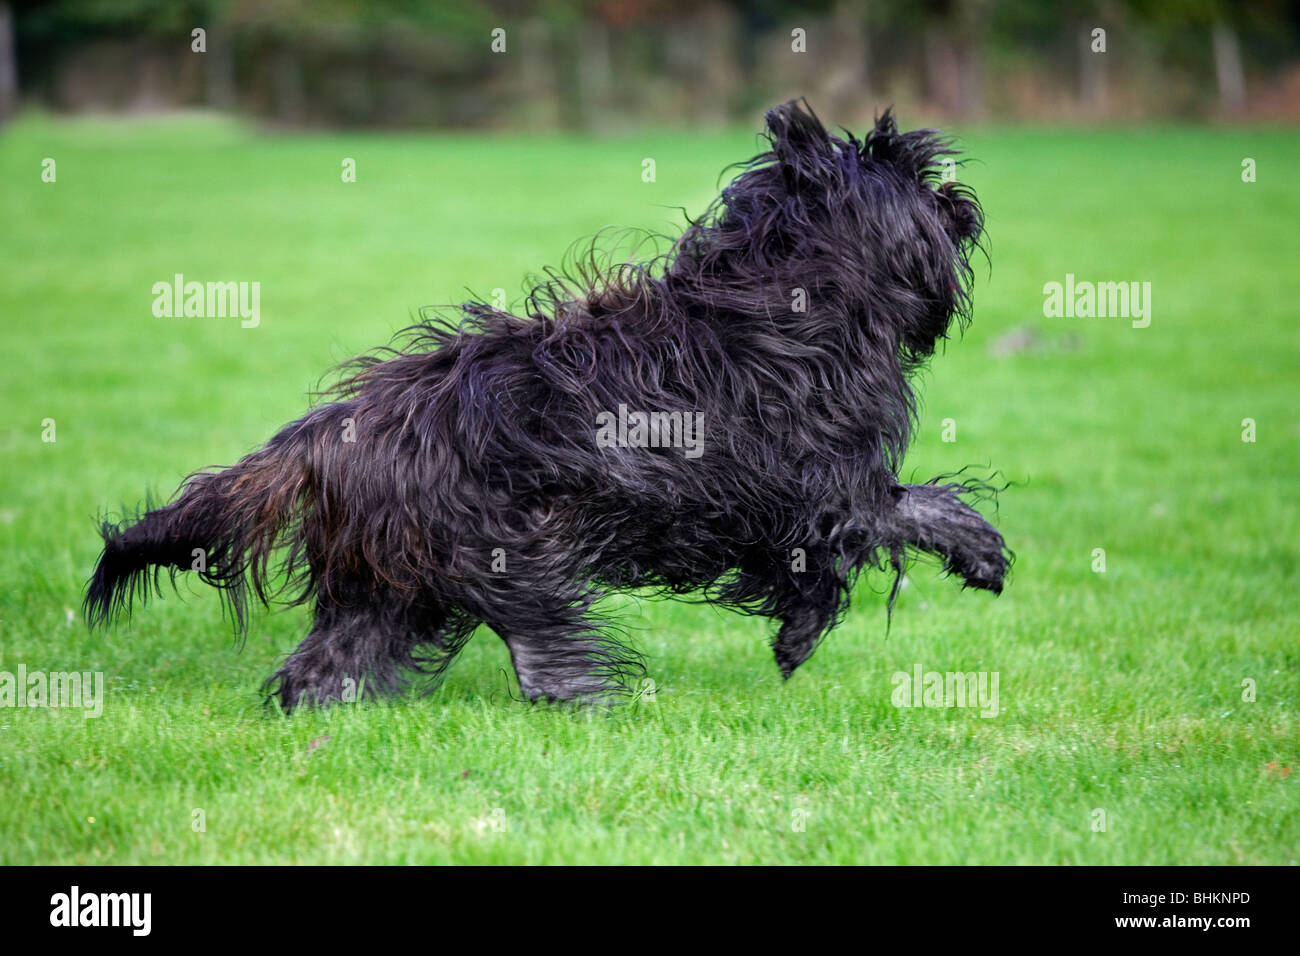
{"x": 728, "y": 419}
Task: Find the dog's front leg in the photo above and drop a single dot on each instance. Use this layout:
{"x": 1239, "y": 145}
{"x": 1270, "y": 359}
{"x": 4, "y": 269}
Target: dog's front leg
{"x": 559, "y": 654}
{"x": 801, "y": 629}
{"x": 933, "y": 518}
{"x": 806, "y": 603}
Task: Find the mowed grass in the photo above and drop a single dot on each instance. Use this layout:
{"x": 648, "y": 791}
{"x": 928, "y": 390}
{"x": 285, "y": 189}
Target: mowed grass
{"x": 1120, "y": 692}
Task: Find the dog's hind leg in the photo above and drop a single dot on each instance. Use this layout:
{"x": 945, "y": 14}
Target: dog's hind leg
{"x": 933, "y": 518}
{"x": 559, "y": 654}
{"x": 355, "y": 649}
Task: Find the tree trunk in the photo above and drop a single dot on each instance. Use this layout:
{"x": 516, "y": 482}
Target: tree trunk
{"x": 847, "y": 85}
{"x": 8, "y": 65}
{"x": 1227, "y": 67}
{"x": 220, "y": 63}
{"x": 595, "y": 71}
{"x": 287, "y": 86}
{"x": 942, "y": 74}
{"x": 1093, "y": 86}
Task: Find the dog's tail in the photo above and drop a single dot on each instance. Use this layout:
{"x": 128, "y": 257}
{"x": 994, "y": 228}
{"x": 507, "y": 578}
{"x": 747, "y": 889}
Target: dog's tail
{"x": 224, "y": 525}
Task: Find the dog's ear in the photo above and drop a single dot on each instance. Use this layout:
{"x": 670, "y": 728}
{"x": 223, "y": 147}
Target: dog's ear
{"x": 916, "y": 154}
{"x": 799, "y": 141}
{"x": 886, "y": 126}
{"x": 962, "y": 216}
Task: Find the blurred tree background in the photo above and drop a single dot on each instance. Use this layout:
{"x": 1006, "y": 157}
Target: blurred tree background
{"x": 608, "y": 63}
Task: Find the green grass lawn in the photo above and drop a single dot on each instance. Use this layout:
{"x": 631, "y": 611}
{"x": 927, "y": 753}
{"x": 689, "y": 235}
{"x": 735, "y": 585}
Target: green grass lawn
{"x": 1120, "y": 692}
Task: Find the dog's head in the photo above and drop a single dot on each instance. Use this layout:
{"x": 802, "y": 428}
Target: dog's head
{"x": 880, "y": 223}
{"x": 894, "y": 197}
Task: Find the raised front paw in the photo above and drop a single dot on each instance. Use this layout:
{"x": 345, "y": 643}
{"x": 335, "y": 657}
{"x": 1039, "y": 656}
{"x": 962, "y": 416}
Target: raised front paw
{"x": 978, "y": 555}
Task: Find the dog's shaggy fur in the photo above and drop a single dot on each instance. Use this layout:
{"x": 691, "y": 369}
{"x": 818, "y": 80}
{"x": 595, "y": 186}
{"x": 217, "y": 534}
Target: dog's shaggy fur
{"x": 459, "y": 480}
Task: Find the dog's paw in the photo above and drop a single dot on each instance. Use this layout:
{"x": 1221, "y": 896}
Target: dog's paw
{"x": 974, "y": 550}
{"x": 982, "y": 559}
{"x": 987, "y": 574}
{"x": 297, "y": 689}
